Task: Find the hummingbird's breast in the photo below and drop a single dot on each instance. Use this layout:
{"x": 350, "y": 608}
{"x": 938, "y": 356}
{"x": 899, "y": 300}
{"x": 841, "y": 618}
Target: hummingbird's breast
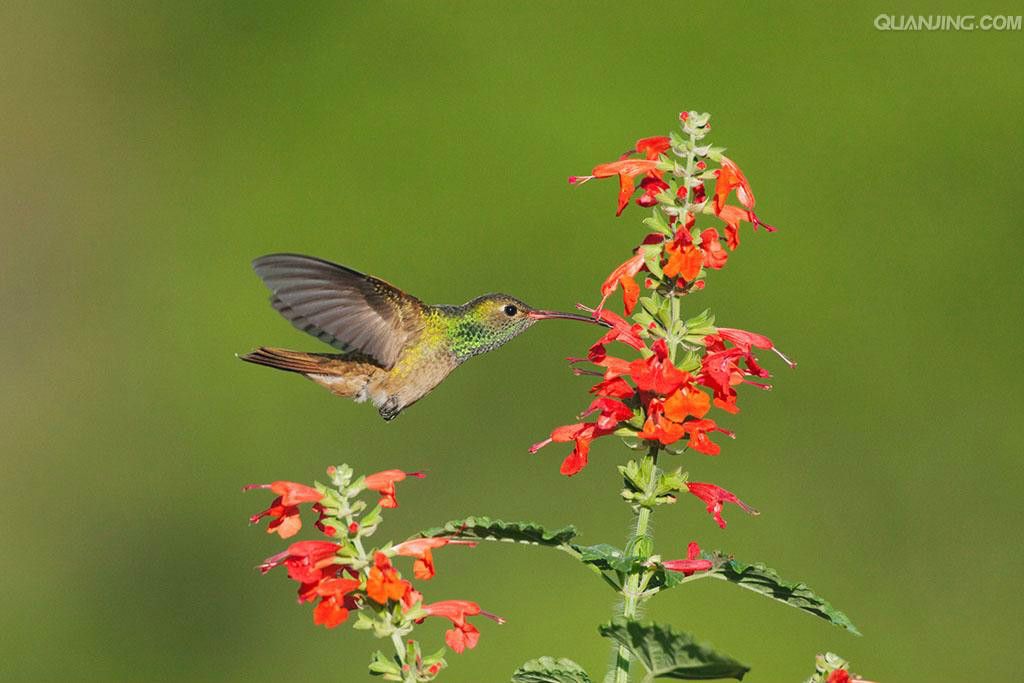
{"x": 422, "y": 365}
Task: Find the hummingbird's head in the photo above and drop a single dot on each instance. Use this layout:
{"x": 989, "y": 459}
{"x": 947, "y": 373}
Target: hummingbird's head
{"x": 491, "y": 320}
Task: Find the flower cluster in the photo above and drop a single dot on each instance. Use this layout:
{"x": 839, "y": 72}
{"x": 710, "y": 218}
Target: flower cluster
{"x": 342, "y": 576}
{"x": 831, "y": 668}
{"x": 686, "y": 367}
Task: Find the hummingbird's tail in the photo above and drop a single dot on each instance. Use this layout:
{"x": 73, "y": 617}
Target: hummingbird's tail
{"x": 346, "y": 375}
{"x": 292, "y": 361}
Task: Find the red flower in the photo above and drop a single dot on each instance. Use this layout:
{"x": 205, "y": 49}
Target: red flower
{"x": 691, "y": 564}
{"x": 284, "y": 509}
{"x": 730, "y": 177}
{"x": 657, "y": 374}
{"x": 327, "y": 529}
{"x": 653, "y": 146}
{"x": 839, "y": 676}
{"x": 421, "y": 548}
{"x": 720, "y": 371}
{"x": 714, "y": 497}
{"x": 623, "y": 275}
{"x": 306, "y": 561}
{"x": 335, "y": 604}
{"x": 384, "y": 583}
{"x": 714, "y": 255}
{"x": 745, "y": 340}
{"x": 626, "y": 170}
{"x": 612, "y": 412}
{"x": 463, "y": 635}
{"x": 732, "y": 215}
{"x": 620, "y": 331}
{"x": 384, "y": 484}
{"x": 698, "y": 431}
{"x": 616, "y": 387}
{"x": 582, "y": 433}
{"x": 652, "y": 187}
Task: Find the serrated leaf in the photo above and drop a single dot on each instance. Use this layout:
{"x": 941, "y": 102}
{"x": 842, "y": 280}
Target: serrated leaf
{"x": 667, "y": 653}
{"x": 487, "y": 529}
{"x": 764, "y": 580}
{"x": 608, "y": 558}
{"x": 550, "y": 670}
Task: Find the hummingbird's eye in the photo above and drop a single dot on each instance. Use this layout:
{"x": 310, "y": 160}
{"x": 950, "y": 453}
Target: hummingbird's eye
{"x": 510, "y": 310}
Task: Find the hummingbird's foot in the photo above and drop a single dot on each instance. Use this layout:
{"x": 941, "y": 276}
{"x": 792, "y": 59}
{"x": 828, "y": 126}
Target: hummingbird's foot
{"x": 389, "y": 409}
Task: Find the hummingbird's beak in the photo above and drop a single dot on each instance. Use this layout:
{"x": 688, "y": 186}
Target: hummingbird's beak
{"x": 545, "y": 315}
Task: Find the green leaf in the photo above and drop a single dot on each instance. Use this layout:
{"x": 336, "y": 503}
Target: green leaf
{"x": 763, "y": 580}
{"x": 657, "y": 222}
{"x": 487, "y": 529}
{"x": 550, "y": 670}
{"x": 380, "y": 665}
{"x": 652, "y": 259}
{"x": 667, "y": 653}
{"x": 608, "y": 558}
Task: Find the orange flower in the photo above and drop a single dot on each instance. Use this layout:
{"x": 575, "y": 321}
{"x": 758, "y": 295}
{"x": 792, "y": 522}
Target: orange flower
{"x": 730, "y": 177}
{"x": 335, "y": 604}
{"x": 659, "y": 428}
{"x": 384, "y": 582}
{"x": 463, "y": 635}
{"x": 686, "y": 401}
{"x": 684, "y": 259}
{"x": 420, "y": 548}
{"x": 284, "y": 509}
{"x": 626, "y": 170}
{"x": 581, "y": 433}
{"x": 714, "y": 255}
{"x": 384, "y": 484}
{"x": 623, "y": 275}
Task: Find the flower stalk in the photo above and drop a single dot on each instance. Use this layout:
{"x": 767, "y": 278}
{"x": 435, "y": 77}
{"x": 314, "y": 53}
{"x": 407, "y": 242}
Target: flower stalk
{"x": 632, "y": 591}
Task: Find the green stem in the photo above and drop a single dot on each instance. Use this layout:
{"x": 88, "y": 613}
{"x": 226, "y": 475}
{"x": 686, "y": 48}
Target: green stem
{"x": 631, "y": 590}
{"x": 409, "y": 675}
{"x": 636, "y": 583}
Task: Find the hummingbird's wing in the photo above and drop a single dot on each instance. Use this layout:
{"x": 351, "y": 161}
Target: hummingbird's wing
{"x": 348, "y": 310}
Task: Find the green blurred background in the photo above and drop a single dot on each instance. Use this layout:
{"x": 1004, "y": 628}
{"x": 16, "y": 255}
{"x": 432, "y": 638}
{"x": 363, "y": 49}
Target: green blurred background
{"x": 150, "y": 150}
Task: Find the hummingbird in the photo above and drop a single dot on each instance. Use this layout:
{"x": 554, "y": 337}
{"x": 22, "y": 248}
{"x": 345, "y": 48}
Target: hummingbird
{"x": 394, "y": 348}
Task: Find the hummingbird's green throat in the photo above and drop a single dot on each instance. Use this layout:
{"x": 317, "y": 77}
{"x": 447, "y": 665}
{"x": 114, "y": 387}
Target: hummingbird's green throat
{"x": 395, "y": 348}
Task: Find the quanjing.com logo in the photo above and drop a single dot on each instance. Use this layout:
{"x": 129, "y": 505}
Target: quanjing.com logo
{"x": 935, "y": 22}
